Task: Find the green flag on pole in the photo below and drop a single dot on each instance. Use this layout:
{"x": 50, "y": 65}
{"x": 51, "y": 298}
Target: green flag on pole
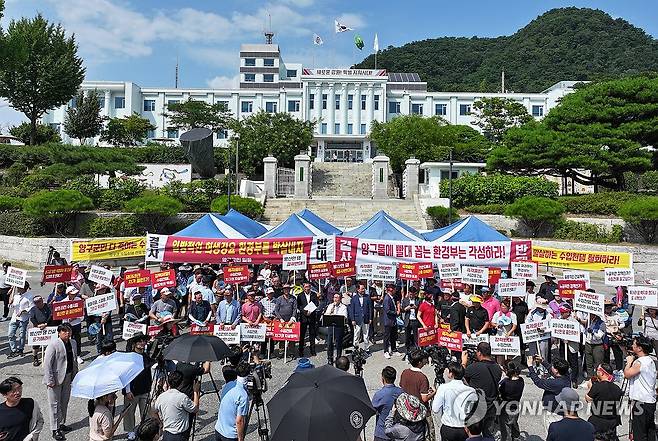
{"x": 358, "y": 42}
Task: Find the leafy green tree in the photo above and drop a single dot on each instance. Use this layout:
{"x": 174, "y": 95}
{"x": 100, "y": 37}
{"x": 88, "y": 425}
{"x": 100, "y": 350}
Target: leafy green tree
{"x": 39, "y": 68}
{"x": 496, "y": 115}
{"x": 642, "y": 215}
{"x": 57, "y": 208}
{"x": 537, "y": 214}
{"x": 154, "y": 210}
{"x": 128, "y": 131}
{"x": 262, "y": 133}
{"x": 84, "y": 120}
{"x": 2, "y": 8}
{"x": 191, "y": 114}
{"x": 442, "y": 216}
{"x": 602, "y": 127}
{"x": 44, "y": 135}
{"x": 247, "y": 206}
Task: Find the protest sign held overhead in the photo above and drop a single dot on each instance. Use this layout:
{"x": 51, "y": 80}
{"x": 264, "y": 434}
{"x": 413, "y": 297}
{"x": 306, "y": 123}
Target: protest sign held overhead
{"x": 475, "y": 275}
{"x": 236, "y": 274}
{"x": 450, "y": 270}
{"x": 577, "y": 275}
{"x": 100, "y": 304}
{"x": 318, "y": 271}
{"x": 407, "y": 271}
{"x": 137, "y": 278}
{"x": 16, "y": 277}
{"x": 524, "y": 270}
{"x": 101, "y": 275}
{"x": 344, "y": 269}
{"x": 425, "y": 270}
{"x": 69, "y": 310}
{"x": 565, "y": 329}
{"x": 163, "y": 279}
{"x": 619, "y": 276}
{"x": 643, "y": 295}
{"x": 295, "y": 261}
{"x": 567, "y": 288}
{"x": 512, "y": 287}
{"x": 56, "y": 273}
{"x": 591, "y": 302}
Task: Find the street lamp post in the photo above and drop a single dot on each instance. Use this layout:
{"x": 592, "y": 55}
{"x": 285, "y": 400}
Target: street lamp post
{"x": 450, "y": 188}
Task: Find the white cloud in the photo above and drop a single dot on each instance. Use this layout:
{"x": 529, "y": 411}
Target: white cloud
{"x": 300, "y": 3}
{"x": 354, "y": 21}
{"x": 223, "y": 58}
{"x": 223, "y": 82}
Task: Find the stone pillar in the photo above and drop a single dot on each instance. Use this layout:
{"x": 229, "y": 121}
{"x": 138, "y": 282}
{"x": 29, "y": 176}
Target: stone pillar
{"x": 270, "y": 166}
{"x": 302, "y": 178}
{"x": 331, "y": 108}
{"x": 108, "y": 102}
{"x": 380, "y": 165}
{"x": 412, "y": 169}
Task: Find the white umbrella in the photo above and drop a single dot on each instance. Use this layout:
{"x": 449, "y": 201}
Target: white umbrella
{"x": 107, "y": 374}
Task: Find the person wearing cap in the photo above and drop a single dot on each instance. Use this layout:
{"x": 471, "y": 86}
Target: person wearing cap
{"x": 136, "y": 394}
{"x": 200, "y": 310}
{"x": 477, "y": 318}
{"x": 504, "y": 323}
{"x": 538, "y": 314}
{"x": 72, "y": 293}
{"x": 640, "y": 371}
{"x": 571, "y": 427}
{"x": 605, "y": 397}
{"x": 251, "y": 312}
{"x": 165, "y": 304}
{"x": 407, "y": 419}
{"x": 40, "y": 317}
{"x": 20, "y": 300}
{"x": 228, "y": 311}
{"x": 548, "y": 288}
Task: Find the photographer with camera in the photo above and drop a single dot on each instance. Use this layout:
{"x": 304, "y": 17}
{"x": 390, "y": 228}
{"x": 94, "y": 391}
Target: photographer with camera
{"x": 136, "y": 394}
{"x": 173, "y": 409}
{"x": 614, "y": 325}
{"x": 454, "y": 400}
{"x": 414, "y": 382}
{"x": 233, "y": 408}
{"x": 551, "y": 386}
{"x": 605, "y": 397}
{"x": 484, "y": 374}
{"x": 640, "y": 370}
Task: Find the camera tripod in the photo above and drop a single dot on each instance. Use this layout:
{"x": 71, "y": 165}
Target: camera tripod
{"x": 261, "y": 413}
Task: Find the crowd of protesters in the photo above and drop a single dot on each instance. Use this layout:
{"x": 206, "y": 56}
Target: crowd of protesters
{"x": 373, "y": 311}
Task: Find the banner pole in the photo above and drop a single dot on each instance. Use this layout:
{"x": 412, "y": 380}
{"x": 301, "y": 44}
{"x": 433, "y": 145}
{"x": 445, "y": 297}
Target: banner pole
{"x": 566, "y": 350}
{"x": 538, "y": 351}
{"x": 285, "y": 352}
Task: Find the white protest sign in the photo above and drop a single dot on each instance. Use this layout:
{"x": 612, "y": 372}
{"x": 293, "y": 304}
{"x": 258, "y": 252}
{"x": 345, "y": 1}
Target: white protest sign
{"x": 475, "y": 275}
{"x": 512, "y": 287}
{"x": 101, "y": 275}
{"x": 531, "y": 300}
{"x": 536, "y": 331}
{"x": 643, "y": 295}
{"x": 253, "y": 332}
{"x": 385, "y": 273}
{"x": 565, "y": 329}
{"x": 41, "y": 337}
{"x": 228, "y": 335}
{"x": 365, "y": 270}
{"x": 132, "y": 328}
{"x": 524, "y": 270}
{"x": 502, "y": 345}
{"x": 474, "y": 340}
{"x": 101, "y": 304}
{"x": 591, "y": 302}
{"x": 294, "y": 261}
{"x": 619, "y": 276}
{"x": 576, "y": 275}
{"x": 449, "y": 270}
{"x": 16, "y": 277}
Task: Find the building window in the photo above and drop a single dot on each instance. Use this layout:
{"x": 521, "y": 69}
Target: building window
{"x": 249, "y": 78}
{"x": 150, "y": 134}
{"x": 293, "y": 106}
{"x": 172, "y": 133}
{"x": 363, "y": 129}
{"x": 363, "y": 102}
{"x": 249, "y": 61}
{"x": 222, "y": 134}
{"x": 270, "y": 107}
{"x": 247, "y": 106}
{"x": 337, "y": 128}
{"x": 119, "y": 102}
{"x": 311, "y": 101}
{"x": 223, "y": 104}
{"x": 350, "y": 129}
{"x": 376, "y": 102}
{"x": 537, "y": 111}
{"x": 324, "y": 101}
{"x": 74, "y": 103}
{"x": 393, "y": 107}
{"x": 445, "y": 174}
{"x": 464, "y": 109}
{"x": 323, "y": 128}
{"x": 416, "y": 109}
{"x": 337, "y": 104}
{"x": 268, "y": 62}
{"x": 101, "y": 102}
{"x": 441, "y": 109}
{"x": 291, "y": 73}
{"x": 170, "y": 102}
{"x": 350, "y": 102}
{"x": 268, "y": 78}
{"x": 149, "y": 105}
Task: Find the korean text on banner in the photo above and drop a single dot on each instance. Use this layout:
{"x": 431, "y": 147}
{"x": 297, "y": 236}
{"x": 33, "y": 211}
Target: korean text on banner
{"x": 591, "y": 302}
{"x": 494, "y": 276}
{"x": 16, "y": 277}
{"x": 344, "y": 269}
{"x": 137, "y": 278}
{"x": 427, "y": 336}
{"x": 56, "y": 273}
{"x": 253, "y": 332}
{"x": 502, "y": 345}
{"x": 68, "y": 310}
{"x": 474, "y": 340}
{"x": 229, "y": 336}
{"x": 132, "y": 328}
{"x": 285, "y": 331}
{"x": 524, "y": 270}
{"x": 565, "y": 329}
{"x": 536, "y": 331}
{"x": 453, "y": 284}
{"x": 619, "y": 276}
{"x": 41, "y": 337}
{"x": 163, "y": 279}
{"x": 318, "y": 271}
{"x": 643, "y": 295}
{"x": 425, "y": 270}
{"x": 408, "y": 271}
{"x": 383, "y": 272}
{"x": 567, "y": 288}
{"x": 576, "y": 275}
{"x": 449, "y": 270}
{"x": 101, "y": 304}
{"x": 475, "y": 275}
{"x": 209, "y": 329}
{"x": 103, "y": 249}
{"x": 294, "y": 261}
{"x": 236, "y": 274}
{"x": 450, "y": 339}
{"x": 585, "y": 260}
{"x": 101, "y": 275}
{"x": 512, "y": 287}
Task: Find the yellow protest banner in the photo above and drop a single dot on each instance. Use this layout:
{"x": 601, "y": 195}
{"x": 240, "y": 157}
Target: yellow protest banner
{"x": 104, "y": 249}
{"x": 585, "y": 260}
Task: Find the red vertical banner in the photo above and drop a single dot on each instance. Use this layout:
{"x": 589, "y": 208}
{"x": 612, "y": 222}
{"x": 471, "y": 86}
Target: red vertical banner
{"x": 344, "y": 269}
{"x": 425, "y": 270}
{"x": 450, "y": 339}
{"x": 427, "y": 336}
{"x": 521, "y": 250}
{"x": 494, "y": 275}
{"x": 567, "y": 288}
{"x": 408, "y": 271}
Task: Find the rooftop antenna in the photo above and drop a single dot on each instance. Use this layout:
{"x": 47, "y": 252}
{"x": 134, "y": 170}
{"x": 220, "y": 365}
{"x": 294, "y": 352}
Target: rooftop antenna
{"x": 176, "y": 82}
{"x": 269, "y": 35}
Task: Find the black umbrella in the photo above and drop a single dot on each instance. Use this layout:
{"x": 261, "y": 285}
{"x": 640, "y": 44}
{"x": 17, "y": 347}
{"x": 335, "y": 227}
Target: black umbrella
{"x": 320, "y": 404}
{"x": 196, "y": 348}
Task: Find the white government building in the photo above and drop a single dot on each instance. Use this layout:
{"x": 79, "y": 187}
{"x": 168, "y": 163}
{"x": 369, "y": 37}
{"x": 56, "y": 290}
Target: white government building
{"x": 345, "y": 102}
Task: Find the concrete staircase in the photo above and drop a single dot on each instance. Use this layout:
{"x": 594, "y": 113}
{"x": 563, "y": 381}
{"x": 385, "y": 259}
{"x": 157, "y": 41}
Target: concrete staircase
{"x": 338, "y": 179}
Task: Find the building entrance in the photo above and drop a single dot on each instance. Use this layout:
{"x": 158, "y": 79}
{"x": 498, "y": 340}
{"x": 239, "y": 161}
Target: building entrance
{"x": 343, "y": 152}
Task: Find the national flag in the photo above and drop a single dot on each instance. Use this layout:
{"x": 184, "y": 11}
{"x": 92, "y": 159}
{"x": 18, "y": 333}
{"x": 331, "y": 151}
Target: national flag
{"x": 375, "y": 45}
{"x": 358, "y": 42}
{"x": 317, "y": 40}
{"x": 341, "y": 27}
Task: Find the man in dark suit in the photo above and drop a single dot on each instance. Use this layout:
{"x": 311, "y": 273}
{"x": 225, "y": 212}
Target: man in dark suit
{"x": 457, "y": 314}
{"x": 359, "y": 313}
{"x": 389, "y": 321}
{"x": 409, "y": 309}
{"x": 308, "y": 320}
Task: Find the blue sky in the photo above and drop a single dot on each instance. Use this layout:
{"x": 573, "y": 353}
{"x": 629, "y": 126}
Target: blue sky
{"x": 140, "y": 40}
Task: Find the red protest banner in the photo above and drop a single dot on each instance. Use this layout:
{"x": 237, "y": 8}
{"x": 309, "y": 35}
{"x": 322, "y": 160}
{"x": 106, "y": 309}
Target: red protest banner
{"x": 448, "y": 284}
{"x": 450, "y": 339}
{"x": 153, "y": 330}
{"x": 494, "y": 275}
{"x": 236, "y": 274}
{"x": 427, "y": 336}
{"x": 137, "y": 278}
{"x": 56, "y": 273}
{"x": 202, "y": 330}
{"x": 318, "y": 271}
{"x": 344, "y": 269}
{"x": 567, "y": 288}
{"x": 285, "y": 331}
{"x": 69, "y": 309}
{"x": 408, "y": 271}
{"x": 163, "y": 279}
{"x": 425, "y": 270}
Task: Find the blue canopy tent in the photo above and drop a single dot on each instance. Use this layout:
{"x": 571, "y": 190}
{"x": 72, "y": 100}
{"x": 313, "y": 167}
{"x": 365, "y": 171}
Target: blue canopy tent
{"x": 233, "y": 225}
{"x": 244, "y": 224}
{"x": 469, "y": 229}
{"x": 384, "y": 227}
{"x": 318, "y": 222}
{"x": 295, "y": 226}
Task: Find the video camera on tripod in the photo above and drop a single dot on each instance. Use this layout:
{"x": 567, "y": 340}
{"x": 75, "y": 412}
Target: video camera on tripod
{"x": 155, "y": 348}
{"x": 358, "y": 360}
{"x": 440, "y": 357}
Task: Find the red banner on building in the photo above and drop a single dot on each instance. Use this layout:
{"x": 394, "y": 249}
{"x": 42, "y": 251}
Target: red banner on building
{"x": 70, "y": 309}
{"x": 56, "y": 273}
{"x": 407, "y": 271}
{"x": 202, "y": 330}
{"x": 137, "y": 278}
{"x": 236, "y": 274}
{"x": 163, "y": 279}
{"x": 427, "y": 336}
{"x": 285, "y": 331}
{"x": 318, "y": 271}
{"x": 567, "y": 288}
{"x": 344, "y": 269}
{"x": 450, "y": 339}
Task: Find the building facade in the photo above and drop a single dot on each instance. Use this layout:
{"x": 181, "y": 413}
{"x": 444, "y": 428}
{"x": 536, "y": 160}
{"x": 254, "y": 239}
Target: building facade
{"x": 343, "y": 102}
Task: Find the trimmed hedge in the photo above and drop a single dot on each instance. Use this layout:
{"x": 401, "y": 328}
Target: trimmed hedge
{"x": 10, "y": 203}
{"x": 538, "y": 215}
{"x": 584, "y": 232}
{"x": 247, "y": 206}
{"x": 441, "y": 216}
{"x": 17, "y": 223}
{"x": 642, "y": 215}
{"x": 487, "y": 209}
{"x": 496, "y": 189}
{"x": 116, "y": 226}
{"x": 605, "y": 204}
